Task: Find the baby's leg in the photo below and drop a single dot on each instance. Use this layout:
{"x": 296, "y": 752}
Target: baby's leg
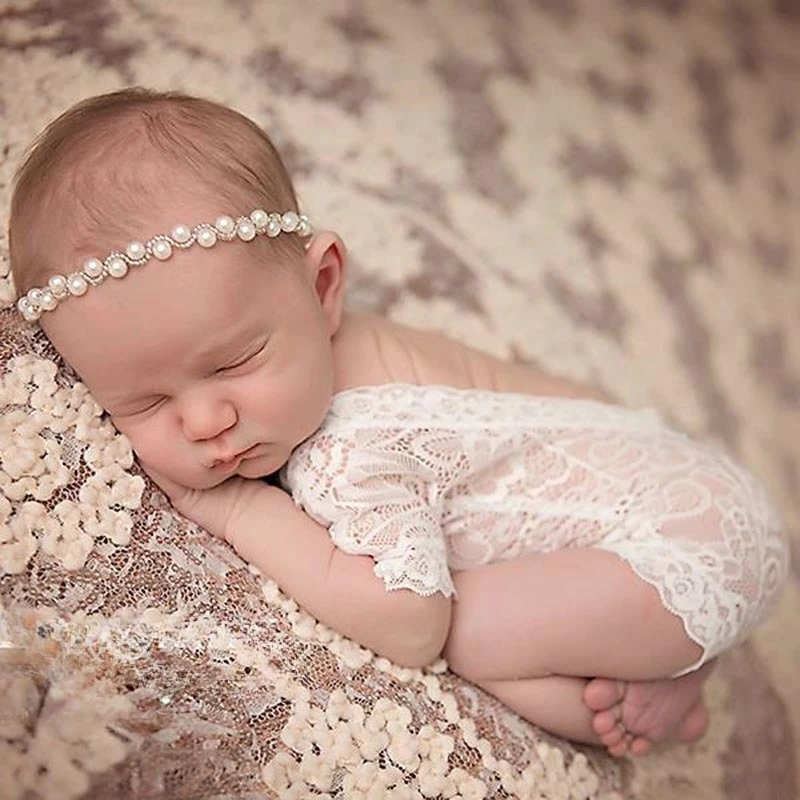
{"x": 580, "y": 612}
{"x": 555, "y": 704}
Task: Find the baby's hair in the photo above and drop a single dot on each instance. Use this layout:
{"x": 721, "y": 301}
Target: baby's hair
{"x": 88, "y": 181}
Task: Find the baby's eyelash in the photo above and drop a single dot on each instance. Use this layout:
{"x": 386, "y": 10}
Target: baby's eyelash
{"x": 151, "y": 406}
{"x": 243, "y": 361}
{"x": 136, "y": 410}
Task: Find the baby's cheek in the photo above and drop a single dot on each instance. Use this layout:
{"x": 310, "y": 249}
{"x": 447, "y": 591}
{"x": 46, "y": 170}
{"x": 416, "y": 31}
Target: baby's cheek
{"x": 150, "y": 447}
{"x": 165, "y": 451}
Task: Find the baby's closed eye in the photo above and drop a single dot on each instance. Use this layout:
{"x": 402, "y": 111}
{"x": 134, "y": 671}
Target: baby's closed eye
{"x": 243, "y": 361}
{"x": 138, "y": 408}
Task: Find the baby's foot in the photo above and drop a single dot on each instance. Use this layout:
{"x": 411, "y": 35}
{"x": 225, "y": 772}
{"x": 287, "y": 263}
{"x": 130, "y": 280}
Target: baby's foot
{"x": 632, "y": 716}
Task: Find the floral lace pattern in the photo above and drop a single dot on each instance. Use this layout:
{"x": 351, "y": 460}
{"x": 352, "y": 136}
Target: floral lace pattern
{"x": 426, "y": 479}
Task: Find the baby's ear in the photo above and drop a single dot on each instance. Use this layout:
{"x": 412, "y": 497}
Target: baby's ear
{"x": 326, "y": 260}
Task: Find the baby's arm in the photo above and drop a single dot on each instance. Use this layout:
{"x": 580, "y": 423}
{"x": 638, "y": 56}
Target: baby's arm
{"x": 268, "y": 530}
{"x": 341, "y": 590}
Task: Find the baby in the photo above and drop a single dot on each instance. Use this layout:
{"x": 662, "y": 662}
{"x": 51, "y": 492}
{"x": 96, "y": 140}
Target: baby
{"x": 580, "y": 561}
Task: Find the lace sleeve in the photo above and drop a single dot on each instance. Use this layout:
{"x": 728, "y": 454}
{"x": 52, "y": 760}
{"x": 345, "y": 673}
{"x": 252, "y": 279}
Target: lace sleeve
{"x": 377, "y": 503}
{"x": 404, "y": 536}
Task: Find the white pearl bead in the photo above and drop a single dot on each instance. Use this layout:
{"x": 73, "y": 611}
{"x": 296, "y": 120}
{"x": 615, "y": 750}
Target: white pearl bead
{"x": 93, "y": 267}
{"x": 162, "y": 249}
{"x": 289, "y": 221}
{"x": 206, "y": 237}
{"x": 30, "y": 313}
{"x": 225, "y": 224}
{"x": 273, "y": 227}
{"x": 259, "y": 218}
{"x": 77, "y": 285}
{"x": 49, "y": 301}
{"x": 136, "y": 251}
{"x": 303, "y": 228}
{"x": 117, "y": 267}
{"x": 246, "y": 230}
{"x": 181, "y": 234}
{"x": 58, "y": 285}
{"x": 35, "y": 297}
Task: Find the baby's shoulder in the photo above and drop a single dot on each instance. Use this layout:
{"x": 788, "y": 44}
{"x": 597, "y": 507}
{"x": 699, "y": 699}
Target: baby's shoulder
{"x": 358, "y": 352}
{"x": 370, "y": 350}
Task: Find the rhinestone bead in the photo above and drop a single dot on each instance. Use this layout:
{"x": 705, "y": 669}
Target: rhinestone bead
{"x": 273, "y": 227}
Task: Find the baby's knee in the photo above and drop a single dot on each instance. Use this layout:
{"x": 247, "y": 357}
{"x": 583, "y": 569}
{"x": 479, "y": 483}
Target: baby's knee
{"x": 467, "y": 662}
{"x": 473, "y": 654}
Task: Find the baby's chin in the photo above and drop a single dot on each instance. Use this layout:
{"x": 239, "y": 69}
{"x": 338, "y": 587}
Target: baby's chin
{"x": 210, "y": 480}
{"x": 263, "y": 467}
{"x": 252, "y": 469}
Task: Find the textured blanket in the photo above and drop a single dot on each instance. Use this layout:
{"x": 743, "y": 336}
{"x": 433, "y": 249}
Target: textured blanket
{"x": 607, "y": 188}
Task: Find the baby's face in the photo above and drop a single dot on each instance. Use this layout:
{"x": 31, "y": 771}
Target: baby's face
{"x": 213, "y": 363}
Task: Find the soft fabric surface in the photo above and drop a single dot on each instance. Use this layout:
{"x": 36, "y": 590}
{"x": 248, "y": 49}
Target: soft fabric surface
{"x": 608, "y": 188}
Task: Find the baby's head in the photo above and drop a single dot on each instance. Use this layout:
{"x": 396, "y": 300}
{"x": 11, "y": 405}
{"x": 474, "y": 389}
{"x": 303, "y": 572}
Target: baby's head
{"x": 212, "y": 353}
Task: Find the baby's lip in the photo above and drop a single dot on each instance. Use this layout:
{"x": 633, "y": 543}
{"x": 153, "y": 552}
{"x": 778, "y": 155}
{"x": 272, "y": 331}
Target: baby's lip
{"x": 228, "y": 461}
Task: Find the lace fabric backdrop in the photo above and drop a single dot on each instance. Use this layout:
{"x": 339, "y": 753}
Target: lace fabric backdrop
{"x": 607, "y": 188}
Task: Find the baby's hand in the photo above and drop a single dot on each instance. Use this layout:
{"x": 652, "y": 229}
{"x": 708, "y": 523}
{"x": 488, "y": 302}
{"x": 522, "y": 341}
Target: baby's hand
{"x": 212, "y": 508}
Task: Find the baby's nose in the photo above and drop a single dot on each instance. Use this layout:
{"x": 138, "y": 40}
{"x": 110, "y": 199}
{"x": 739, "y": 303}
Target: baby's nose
{"x": 204, "y": 419}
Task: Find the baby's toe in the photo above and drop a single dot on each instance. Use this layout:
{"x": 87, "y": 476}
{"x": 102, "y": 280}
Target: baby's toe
{"x": 641, "y": 746}
{"x": 614, "y": 736}
{"x": 602, "y": 693}
{"x": 605, "y": 721}
{"x": 619, "y": 749}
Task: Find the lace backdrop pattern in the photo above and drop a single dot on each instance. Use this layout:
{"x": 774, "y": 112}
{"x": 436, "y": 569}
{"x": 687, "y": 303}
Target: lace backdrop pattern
{"x": 608, "y": 188}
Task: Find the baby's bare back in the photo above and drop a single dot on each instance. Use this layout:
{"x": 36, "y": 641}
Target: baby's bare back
{"x": 369, "y": 350}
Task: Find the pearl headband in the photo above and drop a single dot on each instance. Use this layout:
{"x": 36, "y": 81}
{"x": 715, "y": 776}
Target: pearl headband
{"x": 116, "y": 264}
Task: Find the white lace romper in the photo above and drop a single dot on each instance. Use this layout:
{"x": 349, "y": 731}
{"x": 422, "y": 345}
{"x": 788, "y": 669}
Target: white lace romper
{"x": 431, "y": 479}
